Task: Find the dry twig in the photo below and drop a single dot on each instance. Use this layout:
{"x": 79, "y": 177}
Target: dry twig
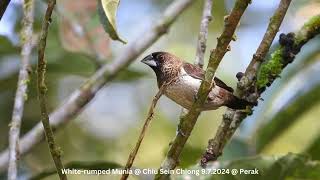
{"x": 203, "y": 33}
{"x": 134, "y": 151}
{"x": 22, "y": 87}
{"x": 42, "y": 89}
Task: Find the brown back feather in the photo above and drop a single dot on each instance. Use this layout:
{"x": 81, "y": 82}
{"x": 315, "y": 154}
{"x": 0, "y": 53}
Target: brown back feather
{"x": 198, "y": 73}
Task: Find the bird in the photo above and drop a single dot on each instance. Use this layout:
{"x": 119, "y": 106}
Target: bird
{"x": 185, "y": 80}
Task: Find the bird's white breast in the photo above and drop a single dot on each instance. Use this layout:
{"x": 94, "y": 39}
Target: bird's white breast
{"x": 183, "y": 91}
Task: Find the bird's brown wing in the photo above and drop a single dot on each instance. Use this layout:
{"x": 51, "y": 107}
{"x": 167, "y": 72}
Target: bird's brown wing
{"x": 198, "y": 73}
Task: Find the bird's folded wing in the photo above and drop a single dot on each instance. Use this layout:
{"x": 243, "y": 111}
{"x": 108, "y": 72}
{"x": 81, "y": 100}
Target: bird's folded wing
{"x": 198, "y": 73}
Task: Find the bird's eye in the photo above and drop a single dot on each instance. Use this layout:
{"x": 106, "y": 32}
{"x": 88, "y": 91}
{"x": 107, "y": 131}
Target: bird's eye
{"x": 160, "y": 57}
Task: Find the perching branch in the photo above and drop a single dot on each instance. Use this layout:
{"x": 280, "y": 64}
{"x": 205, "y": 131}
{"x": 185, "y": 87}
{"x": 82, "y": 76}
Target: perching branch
{"x": 203, "y": 33}
{"x": 78, "y": 99}
{"x": 202, "y": 40}
{"x": 3, "y": 6}
{"x": 21, "y": 93}
{"x": 42, "y": 89}
{"x": 134, "y": 152}
{"x": 188, "y": 121}
{"x": 267, "y": 73}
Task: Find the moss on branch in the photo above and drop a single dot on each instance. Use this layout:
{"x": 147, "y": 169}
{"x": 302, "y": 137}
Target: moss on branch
{"x": 42, "y": 89}
{"x": 284, "y": 55}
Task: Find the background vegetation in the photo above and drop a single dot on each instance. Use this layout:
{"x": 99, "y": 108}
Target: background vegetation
{"x": 286, "y": 121}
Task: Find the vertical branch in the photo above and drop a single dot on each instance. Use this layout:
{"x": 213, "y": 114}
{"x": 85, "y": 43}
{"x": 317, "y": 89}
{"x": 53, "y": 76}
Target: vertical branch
{"x": 202, "y": 40}
{"x": 3, "y": 6}
{"x": 134, "y": 152}
{"x": 232, "y": 119}
{"x": 42, "y": 89}
{"x": 21, "y": 93}
{"x": 188, "y": 121}
{"x": 203, "y": 33}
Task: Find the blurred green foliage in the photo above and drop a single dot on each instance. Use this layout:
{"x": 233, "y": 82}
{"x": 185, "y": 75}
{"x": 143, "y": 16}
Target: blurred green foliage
{"x": 287, "y": 116}
{"x": 271, "y": 134}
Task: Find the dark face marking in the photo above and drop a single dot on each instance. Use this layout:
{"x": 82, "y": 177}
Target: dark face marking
{"x": 165, "y": 65}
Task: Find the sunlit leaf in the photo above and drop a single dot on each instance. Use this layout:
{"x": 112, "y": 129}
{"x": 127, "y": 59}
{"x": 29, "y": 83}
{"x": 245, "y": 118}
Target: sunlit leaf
{"x": 107, "y": 10}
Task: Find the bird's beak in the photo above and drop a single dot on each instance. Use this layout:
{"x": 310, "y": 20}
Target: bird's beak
{"x": 149, "y": 60}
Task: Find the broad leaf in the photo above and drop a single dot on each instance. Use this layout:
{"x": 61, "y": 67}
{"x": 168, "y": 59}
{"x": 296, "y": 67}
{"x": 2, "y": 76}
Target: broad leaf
{"x": 107, "y": 10}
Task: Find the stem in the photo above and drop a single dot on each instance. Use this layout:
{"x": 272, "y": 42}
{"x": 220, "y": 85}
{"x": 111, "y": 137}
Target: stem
{"x": 202, "y": 40}
{"x": 81, "y": 97}
{"x": 134, "y": 152}
{"x": 42, "y": 89}
{"x": 188, "y": 121}
{"x": 203, "y": 33}
{"x": 21, "y": 93}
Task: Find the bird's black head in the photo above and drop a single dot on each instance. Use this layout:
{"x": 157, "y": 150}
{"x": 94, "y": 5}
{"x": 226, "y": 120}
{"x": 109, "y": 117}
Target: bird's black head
{"x": 164, "y": 64}
{"x": 155, "y": 60}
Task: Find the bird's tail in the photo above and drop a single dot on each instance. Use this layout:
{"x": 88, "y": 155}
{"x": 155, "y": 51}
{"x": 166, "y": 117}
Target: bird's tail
{"x": 237, "y": 103}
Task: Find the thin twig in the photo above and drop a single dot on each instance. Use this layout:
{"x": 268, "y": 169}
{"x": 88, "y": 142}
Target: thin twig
{"x": 42, "y": 89}
{"x": 245, "y": 85}
{"x": 134, "y": 151}
{"x": 81, "y": 97}
{"x": 188, "y": 121}
{"x": 202, "y": 40}
{"x": 21, "y": 93}
{"x": 203, "y": 33}
{"x": 3, "y": 6}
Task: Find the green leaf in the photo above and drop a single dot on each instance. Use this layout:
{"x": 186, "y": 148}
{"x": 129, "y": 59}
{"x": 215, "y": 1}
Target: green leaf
{"x": 286, "y": 117}
{"x": 107, "y": 10}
